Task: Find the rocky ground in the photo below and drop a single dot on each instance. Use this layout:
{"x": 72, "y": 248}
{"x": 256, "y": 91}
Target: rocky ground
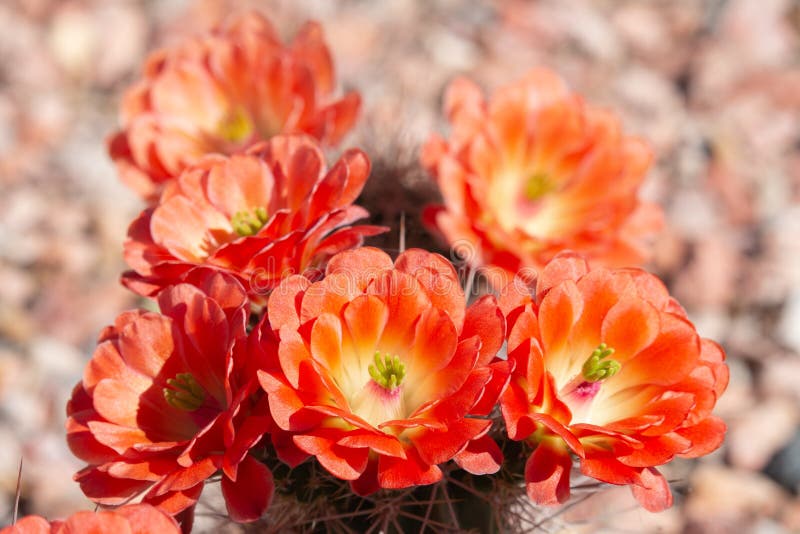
{"x": 714, "y": 85}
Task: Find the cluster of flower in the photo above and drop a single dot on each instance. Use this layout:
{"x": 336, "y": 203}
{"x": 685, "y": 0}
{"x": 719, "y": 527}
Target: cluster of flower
{"x": 279, "y": 332}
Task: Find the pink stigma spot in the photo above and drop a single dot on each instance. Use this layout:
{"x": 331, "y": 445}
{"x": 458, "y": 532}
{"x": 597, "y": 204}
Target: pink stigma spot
{"x": 586, "y": 390}
{"x": 383, "y": 394}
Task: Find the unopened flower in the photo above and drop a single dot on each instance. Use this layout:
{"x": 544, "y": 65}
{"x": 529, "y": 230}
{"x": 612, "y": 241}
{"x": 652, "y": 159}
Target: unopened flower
{"x": 170, "y": 399}
{"x": 534, "y": 171}
{"x": 609, "y": 369}
{"x": 381, "y": 371}
{"x": 222, "y": 92}
{"x": 260, "y": 216}
{"x": 129, "y": 519}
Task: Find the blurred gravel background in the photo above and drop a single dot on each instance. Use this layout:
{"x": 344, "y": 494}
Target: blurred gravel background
{"x": 713, "y": 84}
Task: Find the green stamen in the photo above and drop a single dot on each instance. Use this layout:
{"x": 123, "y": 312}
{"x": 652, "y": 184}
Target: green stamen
{"x": 184, "y": 392}
{"x": 597, "y": 368}
{"x": 538, "y": 185}
{"x": 387, "y": 372}
{"x": 246, "y": 223}
{"x": 236, "y": 126}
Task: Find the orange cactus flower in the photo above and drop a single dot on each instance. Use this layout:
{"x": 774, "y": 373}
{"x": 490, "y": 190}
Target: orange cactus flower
{"x": 382, "y": 373}
{"x": 533, "y": 172}
{"x": 130, "y": 519}
{"x": 170, "y": 399}
{"x": 273, "y": 211}
{"x": 221, "y": 93}
{"x": 608, "y": 368}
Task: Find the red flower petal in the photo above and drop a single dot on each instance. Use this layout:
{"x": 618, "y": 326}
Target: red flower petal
{"x": 365, "y": 318}
{"x": 671, "y": 356}
{"x": 379, "y": 442}
{"x": 481, "y": 457}
{"x": 458, "y": 385}
{"x": 249, "y": 496}
{"x": 119, "y": 438}
{"x": 284, "y": 302}
{"x": 176, "y": 502}
{"x": 705, "y": 437}
{"x": 397, "y": 473}
{"x": 292, "y": 352}
{"x": 367, "y": 483}
{"x": 343, "y": 462}
{"x": 501, "y": 373}
{"x": 340, "y": 116}
{"x": 361, "y": 264}
{"x": 241, "y": 184}
{"x": 145, "y": 345}
{"x": 439, "y": 279}
{"x": 31, "y": 524}
{"x": 653, "y": 491}
{"x": 326, "y": 342}
{"x": 145, "y": 519}
{"x": 566, "y": 266}
{"x": 435, "y": 447}
{"x": 435, "y": 333}
{"x": 559, "y": 311}
{"x": 184, "y": 479}
{"x": 484, "y": 319}
{"x": 95, "y": 523}
{"x": 405, "y": 300}
{"x": 630, "y": 326}
{"x": 105, "y": 489}
{"x": 284, "y": 402}
{"x": 547, "y": 473}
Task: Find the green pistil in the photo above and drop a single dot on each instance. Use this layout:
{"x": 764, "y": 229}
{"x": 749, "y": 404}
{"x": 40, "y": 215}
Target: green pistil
{"x": 246, "y": 223}
{"x": 184, "y": 393}
{"x": 597, "y": 367}
{"x": 387, "y": 372}
{"x": 236, "y": 126}
{"x": 538, "y": 185}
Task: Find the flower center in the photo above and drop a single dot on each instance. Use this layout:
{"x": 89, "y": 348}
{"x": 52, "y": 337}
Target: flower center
{"x": 184, "y": 392}
{"x": 235, "y": 126}
{"x": 538, "y": 185}
{"x": 579, "y": 392}
{"x": 597, "y": 368}
{"x": 247, "y": 223}
{"x": 388, "y": 372}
